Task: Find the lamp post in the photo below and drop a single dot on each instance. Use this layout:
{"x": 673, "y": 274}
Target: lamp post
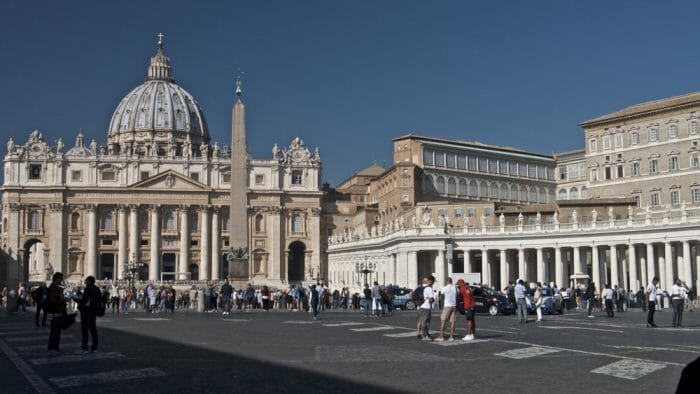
{"x": 132, "y": 269}
{"x": 365, "y": 268}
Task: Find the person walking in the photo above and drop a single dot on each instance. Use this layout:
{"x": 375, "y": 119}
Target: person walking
{"x": 650, "y": 299}
{"x": 449, "y": 312}
{"x": 56, "y": 306}
{"x": 226, "y": 292}
{"x": 521, "y": 301}
{"x": 366, "y": 302}
{"x": 537, "y": 299}
{"x": 89, "y": 306}
{"x": 679, "y": 292}
{"x": 21, "y": 298}
{"x": 314, "y": 301}
{"x": 40, "y": 295}
{"x": 426, "y": 308}
{"x": 609, "y": 297}
{"x": 376, "y": 300}
{"x": 589, "y": 296}
{"x": 466, "y": 299}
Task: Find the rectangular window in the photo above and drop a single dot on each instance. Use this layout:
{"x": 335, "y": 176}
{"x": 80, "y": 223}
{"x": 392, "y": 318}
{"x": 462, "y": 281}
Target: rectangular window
{"x": 653, "y": 134}
{"x": 442, "y": 212}
{"x": 144, "y": 175}
{"x": 405, "y": 181}
{"x": 618, "y": 140}
{"x": 562, "y": 173}
{"x": 492, "y": 166}
{"x": 654, "y": 199}
{"x": 503, "y": 167}
{"x": 471, "y": 160}
{"x": 259, "y": 179}
{"x": 482, "y": 164}
{"x": 653, "y": 166}
{"x": 673, "y": 163}
{"x": 695, "y": 194}
{"x": 608, "y": 173}
{"x": 513, "y": 168}
{"x": 109, "y": 176}
{"x": 695, "y": 161}
{"x": 76, "y": 176}
{"x": 532, "y": 171}
{"x": 35, "y": 171}
{"x": 428, "y": 157}
{"x": 439, "y": 159}
{"x": 488, "y": 212}
{"x": 672, "y": 131}
{"x": 296, "y": 177}
{"x": 620, "y": 171}
{"x": 522, "y": 170}
{"x": 226, "y": 177}
{"x": 675, "y": 197}
{"x": 461, "y": 162}
{"x": 634, "y": 169}
{"x": 458, "y": 212}
{"x": 451, "y": 162}
{"x": 144, "y": 242}
{"x": 693, "y": 128}
{"x": 194, "y": 176}
{"x": 634, "y": 138}
{"x": 471, "y": 212}
{"x": 593, "y": 145}
{"x": 573, "y": 170}
{"x": 606, "y": 142}
{"x": 594, "y": 174}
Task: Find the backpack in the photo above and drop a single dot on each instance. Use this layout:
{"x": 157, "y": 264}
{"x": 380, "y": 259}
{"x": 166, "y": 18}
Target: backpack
{"x": 417, "y": 296}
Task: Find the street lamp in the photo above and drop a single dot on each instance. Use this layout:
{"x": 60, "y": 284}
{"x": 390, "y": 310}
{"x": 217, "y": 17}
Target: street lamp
{"x": 365, "y": 268}
{"x": 132, "y": 269}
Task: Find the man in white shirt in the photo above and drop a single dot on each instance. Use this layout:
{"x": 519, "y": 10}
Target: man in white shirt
{"x": 608, "y": 296}
{"x": 650, "y": 295}
{"x": 679, "y": 292}
{"x": 449, "y": 310}
{"x": 426, "y": 308}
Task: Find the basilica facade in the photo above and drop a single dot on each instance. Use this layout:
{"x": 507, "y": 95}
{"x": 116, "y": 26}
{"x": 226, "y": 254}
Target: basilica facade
{"x": 159, "y": 194}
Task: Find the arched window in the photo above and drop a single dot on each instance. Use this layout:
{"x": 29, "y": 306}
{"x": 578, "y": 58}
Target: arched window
{"x": 573, "y": 193}
{"x": 473, "y": 188}
{"x": 463, "y": 189}
{"x": 514, "y": 193}
{"x": 440, "y": 185}
{"x": 484, "y": 190}
{"x": 34, "y": 220}
{"x": 543, "y": 195}
{"x": 169, "y": 221}
{"x": 504, "y": 192}
{"x": 107, "y": 220}
{"x": 259, "y": 225}
{"x": 523, "y": 194}
{"x": 451, "y": 186}
{"x": 562, "y": 194}
{"x": 584, "y": 192}
{"x": 533, "y": 194}
{"x": 75, "y": 221}
{"x": 494, "y": 190}
{"x": 297, "y": 223}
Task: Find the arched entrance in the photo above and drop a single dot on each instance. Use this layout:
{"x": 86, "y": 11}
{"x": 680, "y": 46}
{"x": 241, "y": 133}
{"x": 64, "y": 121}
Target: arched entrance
{"x": 194, "y": 271}
{"x": 106, "y": 266}
{"x": 143, "y": 272}
{"x": 33, "y": 260}
{"x": 295, "y": 262}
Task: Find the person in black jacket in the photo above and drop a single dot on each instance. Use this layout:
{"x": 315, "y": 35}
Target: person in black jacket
{"x": 89, "y": 304}
{"x": 590, "y": 296}
{"x": 56, "y": 306}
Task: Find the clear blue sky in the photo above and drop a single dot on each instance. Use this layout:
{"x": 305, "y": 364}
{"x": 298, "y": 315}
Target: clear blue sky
{"x": 349, "y": 76}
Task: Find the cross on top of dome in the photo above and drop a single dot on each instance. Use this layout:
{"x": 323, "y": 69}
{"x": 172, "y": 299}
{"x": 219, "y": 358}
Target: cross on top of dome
{"x": 160, "y": 64}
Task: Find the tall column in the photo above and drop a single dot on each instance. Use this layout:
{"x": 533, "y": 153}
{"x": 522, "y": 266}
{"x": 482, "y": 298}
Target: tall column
{"x": 184, "y": 261}
{"x": 238, "y": 234}
{"x": 215, "y": 243}
{"x": 595, "y": 264}
{"x": 204, "y": 244}
{"x": 123, "y": 256}
{"x": 440, "y": 269}
{"x": 276, "y": 248}
{"x": 559, "y": 267}
{"x": 578, "y": 269}
{"x": 412, "y": 267}
{"x": 687, "y": 265}
{"x": 541, "y": 274}
{"x": 614, "y": 273}
{"x": 522, "y": 269}
{"x": 485, "y": 267}
{"x": 392, "y": 269}
{"x": 92, "y": 241}
{"x": 504, "y": 269}
{"x": 632, "y": 256}
{"x": 468, "y": 261}
{"x": 134, "y": 232}
{"x": 57, "y": 242}
{"x": 643, "y": 270}
{"x": 668, "y": 249}
{"x": 651, "y": 272}
{"x": 154, "y": 265}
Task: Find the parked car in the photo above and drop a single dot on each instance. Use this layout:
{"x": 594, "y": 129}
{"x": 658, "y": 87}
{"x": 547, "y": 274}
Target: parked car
{"x": 489, "y": 300}
{"x": 402, "y": 299}
{"x": 551, "y": 303}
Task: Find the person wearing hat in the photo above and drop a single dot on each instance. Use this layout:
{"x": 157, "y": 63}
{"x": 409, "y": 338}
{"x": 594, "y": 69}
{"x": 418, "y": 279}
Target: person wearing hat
{"x": 467, "y": 300}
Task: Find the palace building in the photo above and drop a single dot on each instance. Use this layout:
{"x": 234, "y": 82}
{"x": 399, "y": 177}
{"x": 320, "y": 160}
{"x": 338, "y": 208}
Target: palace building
{"x": 160, "y": 193}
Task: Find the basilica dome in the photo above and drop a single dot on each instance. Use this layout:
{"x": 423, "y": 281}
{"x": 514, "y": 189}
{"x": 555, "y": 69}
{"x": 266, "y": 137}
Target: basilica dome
{"x": 158, "y": 111}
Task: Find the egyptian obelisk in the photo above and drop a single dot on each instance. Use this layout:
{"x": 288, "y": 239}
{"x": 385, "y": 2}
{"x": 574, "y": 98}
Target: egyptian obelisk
{"x": 239, "y": 184}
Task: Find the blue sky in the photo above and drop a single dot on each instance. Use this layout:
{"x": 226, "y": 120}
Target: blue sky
{"x": 348, "y": 76}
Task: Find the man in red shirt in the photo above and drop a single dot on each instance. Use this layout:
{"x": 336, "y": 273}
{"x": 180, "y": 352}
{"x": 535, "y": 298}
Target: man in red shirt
{"x": 467, "y": 299}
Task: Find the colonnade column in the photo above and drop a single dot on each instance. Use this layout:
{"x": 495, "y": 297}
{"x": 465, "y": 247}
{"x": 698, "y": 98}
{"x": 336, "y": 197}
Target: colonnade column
{"x": 123, "y": 256}
{"x": 57, "y": 240}
{"x": 687, "y": 274}
{"x": 614, "y": 273}
{"x": 541, "y": 275}
{"x": 596, "y": 266}
{"x": 632, "y": 256}
{"x": 92, "y": 241}
{"x": 204, "y": 245}
{"x": 392, "y": 268}
{"x": 215, "y": 243}
{"x": 505, "y": 271}
{"x": 485, "y": 267}
{"x": 577, "y": 261}
{"x": 558, "y": 267}
{"x": 668, "y": 249}
{"x": 440, "y": 269}
{"x": 154, "y": 265}
{"x": 522, "y": 273}
{"x": 412, "y": 264}
{"x": 134, "y": 232}
{"x": 184, "y": 243}
{"x": 643, "y": 270}
{"x": 651, "y": 272}
{"x": 468, "y": 261}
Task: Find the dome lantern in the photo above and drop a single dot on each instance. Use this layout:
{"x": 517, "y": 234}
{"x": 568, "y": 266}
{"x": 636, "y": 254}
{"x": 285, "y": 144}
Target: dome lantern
{"x": 160, "y": 64}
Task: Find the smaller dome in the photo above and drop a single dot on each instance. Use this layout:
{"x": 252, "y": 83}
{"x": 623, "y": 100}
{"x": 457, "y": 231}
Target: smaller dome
{"x": 79, "y": 149}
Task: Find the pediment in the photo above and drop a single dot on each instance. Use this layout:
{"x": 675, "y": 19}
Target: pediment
{"x": 170, "y": 181}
